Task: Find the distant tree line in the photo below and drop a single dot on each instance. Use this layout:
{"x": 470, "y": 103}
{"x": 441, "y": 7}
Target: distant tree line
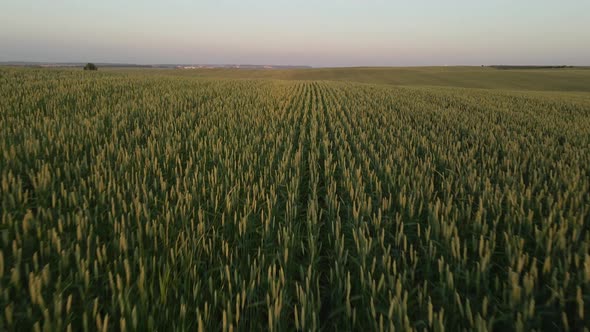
{"x": 529, "y": 67}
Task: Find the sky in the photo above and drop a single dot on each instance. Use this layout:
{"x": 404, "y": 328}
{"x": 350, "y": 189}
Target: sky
{"x": 318, "y": 33}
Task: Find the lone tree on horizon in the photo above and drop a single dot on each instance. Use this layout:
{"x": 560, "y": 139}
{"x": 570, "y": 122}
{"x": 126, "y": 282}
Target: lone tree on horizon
{"x": 90, "y": 66}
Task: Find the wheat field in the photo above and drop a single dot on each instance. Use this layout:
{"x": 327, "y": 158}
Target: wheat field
{"x": 134, "y": 201}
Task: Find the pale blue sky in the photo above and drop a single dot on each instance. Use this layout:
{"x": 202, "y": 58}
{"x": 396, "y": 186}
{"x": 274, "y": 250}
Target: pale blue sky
{"x": 317, "y": 33}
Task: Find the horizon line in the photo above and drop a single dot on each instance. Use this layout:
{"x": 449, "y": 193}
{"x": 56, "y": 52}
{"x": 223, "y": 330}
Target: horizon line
{"x": 123, "y": 64}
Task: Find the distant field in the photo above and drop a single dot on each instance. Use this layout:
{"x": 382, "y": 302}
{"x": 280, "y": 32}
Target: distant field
{"x": 569, "y": 79}
{"x": 517, "y": 78}
{"x": 168, "y": 200}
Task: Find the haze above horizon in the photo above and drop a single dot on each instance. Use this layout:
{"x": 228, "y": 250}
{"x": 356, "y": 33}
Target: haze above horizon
{"x": 328, "y": 33}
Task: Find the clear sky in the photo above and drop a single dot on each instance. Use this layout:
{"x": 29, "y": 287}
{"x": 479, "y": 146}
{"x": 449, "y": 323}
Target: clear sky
{"x": 317, "y": 33}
